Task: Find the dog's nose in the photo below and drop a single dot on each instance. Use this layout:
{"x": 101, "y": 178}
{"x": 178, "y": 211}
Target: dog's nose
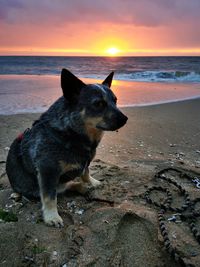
{"x": 122, "y": 120}
{"x": 125, "y": 118}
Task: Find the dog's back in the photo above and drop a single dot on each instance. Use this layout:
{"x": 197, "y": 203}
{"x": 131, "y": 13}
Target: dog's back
{"x": 22, "y": 181}
{"x": 52, "y": 141}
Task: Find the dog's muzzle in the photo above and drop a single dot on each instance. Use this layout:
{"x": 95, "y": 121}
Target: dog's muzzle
{"x": 114, "y": 122}
{"x": 122, "y": 120}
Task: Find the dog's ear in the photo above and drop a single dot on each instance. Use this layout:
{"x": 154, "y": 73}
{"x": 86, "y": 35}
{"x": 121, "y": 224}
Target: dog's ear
{"x": 108, "y": 80}
{"x": 71, "y": 85}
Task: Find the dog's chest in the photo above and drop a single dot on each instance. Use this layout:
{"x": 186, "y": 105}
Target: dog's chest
{"x": 93, "y": 134}
{"x": 74, "y": 165}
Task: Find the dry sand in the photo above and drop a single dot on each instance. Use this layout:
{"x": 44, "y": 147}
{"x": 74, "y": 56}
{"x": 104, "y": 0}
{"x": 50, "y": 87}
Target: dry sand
{"x": 97, "y": 233}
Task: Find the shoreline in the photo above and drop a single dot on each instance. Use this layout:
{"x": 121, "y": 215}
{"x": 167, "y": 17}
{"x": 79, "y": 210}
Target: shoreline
{"x": 160, "y": 103}
{"x": 92, "y": 79}
{"x": 44, "y": 90}
{"x": 121, "y": 107}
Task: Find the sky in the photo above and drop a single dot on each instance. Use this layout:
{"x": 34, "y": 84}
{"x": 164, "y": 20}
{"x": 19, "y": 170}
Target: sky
{"x": 88, "y": 27}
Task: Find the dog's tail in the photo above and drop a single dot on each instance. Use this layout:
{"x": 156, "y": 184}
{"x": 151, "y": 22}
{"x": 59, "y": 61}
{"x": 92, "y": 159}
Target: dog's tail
{"x": 22, "y": 182}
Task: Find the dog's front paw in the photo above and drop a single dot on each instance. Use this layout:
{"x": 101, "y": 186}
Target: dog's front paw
{"x": 16, "y": 196}
{"x": 53, "y": 219}
{"x": 94, "y": 182}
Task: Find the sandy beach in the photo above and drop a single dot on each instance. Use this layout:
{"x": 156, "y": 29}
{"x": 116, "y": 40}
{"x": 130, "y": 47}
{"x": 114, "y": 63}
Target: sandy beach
{"x": 97, "y": 233}
{"x": 145, "y": 208}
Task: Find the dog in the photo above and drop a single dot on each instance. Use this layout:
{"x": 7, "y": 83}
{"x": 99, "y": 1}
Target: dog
{"x": 44, "y": 160}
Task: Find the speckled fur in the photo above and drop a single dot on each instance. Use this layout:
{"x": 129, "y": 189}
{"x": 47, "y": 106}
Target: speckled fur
{"x": 62, "y": 142}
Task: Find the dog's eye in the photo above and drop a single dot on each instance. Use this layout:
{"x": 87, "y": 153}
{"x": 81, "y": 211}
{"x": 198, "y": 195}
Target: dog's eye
{"x": 99, "y": 104}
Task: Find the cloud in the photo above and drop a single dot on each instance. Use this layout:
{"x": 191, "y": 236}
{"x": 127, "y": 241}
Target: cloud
{"x": 88, "y": 24}
{"x": 7, "y": 6}
{"x": 139, "y": 12}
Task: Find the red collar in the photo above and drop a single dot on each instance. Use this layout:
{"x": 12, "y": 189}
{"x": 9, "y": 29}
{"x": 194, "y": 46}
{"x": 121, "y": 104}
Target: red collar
{"x": 20, "y": 136}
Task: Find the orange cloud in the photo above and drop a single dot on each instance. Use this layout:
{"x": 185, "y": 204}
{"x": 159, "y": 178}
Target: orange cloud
{"x": 89, "y": 27}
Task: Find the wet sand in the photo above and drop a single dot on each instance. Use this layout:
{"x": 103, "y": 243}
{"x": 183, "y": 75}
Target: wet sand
{"x": 33, "y": 93}
{"x": 96, "y": 233}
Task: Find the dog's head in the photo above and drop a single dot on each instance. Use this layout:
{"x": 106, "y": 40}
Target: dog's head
{"x": 93, "y": 104}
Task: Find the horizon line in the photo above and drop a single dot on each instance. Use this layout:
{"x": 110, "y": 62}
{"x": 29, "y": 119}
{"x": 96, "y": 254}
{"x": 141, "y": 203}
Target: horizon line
{"x": 108, "y": 56}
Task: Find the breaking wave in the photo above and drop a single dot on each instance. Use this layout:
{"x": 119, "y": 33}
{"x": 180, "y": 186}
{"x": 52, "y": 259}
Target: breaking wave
{"x": 147, "y": 69}
{"x": 160, "y": 76}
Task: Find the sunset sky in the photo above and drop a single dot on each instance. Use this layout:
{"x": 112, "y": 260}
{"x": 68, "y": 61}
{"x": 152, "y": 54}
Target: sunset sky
{"x": 88, "y": 27}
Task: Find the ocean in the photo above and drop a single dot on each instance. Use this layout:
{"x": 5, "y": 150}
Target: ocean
{"x": 31, "y": 83}
{"x": 147, "y": 69}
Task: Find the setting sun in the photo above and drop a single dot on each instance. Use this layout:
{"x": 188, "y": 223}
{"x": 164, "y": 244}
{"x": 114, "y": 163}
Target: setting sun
{"x": 112, "y": 51}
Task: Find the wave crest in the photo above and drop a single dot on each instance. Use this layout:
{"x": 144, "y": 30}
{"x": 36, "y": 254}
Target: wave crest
{"x": 160, "y": 76}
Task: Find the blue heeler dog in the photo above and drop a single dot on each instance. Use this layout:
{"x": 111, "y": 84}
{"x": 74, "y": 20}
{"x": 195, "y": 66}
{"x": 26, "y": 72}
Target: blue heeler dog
{"x": 61, "y": 144}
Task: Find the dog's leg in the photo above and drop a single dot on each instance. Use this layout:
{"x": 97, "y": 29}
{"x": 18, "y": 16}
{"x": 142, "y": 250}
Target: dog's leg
{"x": 16, "y": 196}
{"x": 79, "y": 186}
{"x": 50, "y": 212}
{"x": 73, "y": 186}
{"x": 86, "y": 178}
{"x": 49, "y": 200}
